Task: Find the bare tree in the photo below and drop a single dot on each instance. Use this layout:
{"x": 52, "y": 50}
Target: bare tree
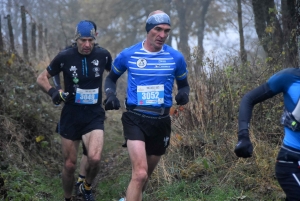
{"x": 40, "y": 42}
{"x": 243, "y": 53}
{"x": 33, "y": 39}
{"x": 11, "y": 34}
{"x": 24, "y": 34}
{"x": 1, "y": 37}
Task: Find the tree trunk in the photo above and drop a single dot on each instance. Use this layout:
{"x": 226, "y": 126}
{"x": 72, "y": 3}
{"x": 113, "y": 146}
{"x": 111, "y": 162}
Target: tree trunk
{"x": 11, "y": 34}
{"x": 183, "y": 29}
{"x": 243, "y": 53}
{"x": 200, "y": 33}
{"x": 40, "y": 43}
{"x": 289, "y": 27}
{"x": 268, "y": 27}
{"x": 33, "y": 40}
{"x": 24, "y": 34}
{"x": 1, "y": 37}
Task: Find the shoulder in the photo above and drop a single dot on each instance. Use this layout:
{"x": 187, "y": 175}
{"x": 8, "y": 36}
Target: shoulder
{"x": 132, "y": 49}
{"x": 175, "y": 53}
{"x": 102, "y": 50}
{"x": 287, "y": 73}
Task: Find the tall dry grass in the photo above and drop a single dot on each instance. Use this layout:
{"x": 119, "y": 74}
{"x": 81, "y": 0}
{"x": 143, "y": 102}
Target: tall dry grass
{"x": 204, "y": 133}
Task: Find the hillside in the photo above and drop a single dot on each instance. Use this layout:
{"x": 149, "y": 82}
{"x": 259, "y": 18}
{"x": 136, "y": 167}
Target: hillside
{"x": 199, "y": 164}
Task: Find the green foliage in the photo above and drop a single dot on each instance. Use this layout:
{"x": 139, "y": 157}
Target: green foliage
{"x": 29, "y": 186}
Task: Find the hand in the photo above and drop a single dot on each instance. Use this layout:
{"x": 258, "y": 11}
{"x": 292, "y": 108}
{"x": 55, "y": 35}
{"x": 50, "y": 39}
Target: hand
{"x": 57, "y": 96}
{"x": 182, "y": 98}
{"x": 111, "y": 102}
{"x": 244, "y": 147}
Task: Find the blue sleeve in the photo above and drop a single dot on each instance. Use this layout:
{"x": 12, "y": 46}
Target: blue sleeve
{"x": 181, "y": 68}
{"x": 119, "y": 64}
{"x": 281, "y": 81}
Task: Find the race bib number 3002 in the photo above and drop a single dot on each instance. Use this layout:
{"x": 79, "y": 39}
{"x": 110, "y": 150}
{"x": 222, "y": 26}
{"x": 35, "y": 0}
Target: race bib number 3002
{"x": 86, "y": 96}
{"x": 150, "y": 94}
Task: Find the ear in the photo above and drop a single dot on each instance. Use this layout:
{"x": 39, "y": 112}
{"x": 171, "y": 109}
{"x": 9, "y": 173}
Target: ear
{"x": 96, "y": 34}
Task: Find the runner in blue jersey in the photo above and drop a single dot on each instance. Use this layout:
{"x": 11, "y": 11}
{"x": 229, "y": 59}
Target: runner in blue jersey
{"x": 152, "y": 68}
{"x": 82, "y": 116}
{"x": 287, "y": 166}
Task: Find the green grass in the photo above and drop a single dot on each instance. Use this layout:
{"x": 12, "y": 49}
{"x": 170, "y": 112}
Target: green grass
{"x": 31, "y": 186}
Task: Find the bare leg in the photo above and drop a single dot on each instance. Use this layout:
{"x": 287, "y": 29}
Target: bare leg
{"x": 69, "y": 150}
{"x": 83, "y": 163}
{"x": 137, "y": 154}
{"x": 94, "y": 144}
{"x": 152, "y": 161}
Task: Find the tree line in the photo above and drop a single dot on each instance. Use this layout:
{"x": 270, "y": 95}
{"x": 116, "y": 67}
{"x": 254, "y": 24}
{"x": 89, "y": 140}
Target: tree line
{"x": 50, "y": 25}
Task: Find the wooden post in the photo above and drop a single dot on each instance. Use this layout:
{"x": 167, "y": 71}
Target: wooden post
{"x": 1, "y": 37}
{"x": 33, "y": 39}
{"x": 40, "y": 43}
{"x": 11, "y": 34}
{"x": 24, "y": 34}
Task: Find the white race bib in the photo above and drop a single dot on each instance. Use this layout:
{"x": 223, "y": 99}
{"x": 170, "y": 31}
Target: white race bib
{"x": 86, "y": 96}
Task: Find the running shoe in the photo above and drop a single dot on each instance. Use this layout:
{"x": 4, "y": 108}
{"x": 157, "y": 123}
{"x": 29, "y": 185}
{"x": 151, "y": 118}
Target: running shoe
{"x": 77, "y": 191}
{"x": 122, "y": 199}
{"x": 87, "y": 195}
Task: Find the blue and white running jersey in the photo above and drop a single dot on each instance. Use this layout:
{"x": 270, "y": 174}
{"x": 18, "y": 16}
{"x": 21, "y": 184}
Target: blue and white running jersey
{"x": 151, "y": 75}
{"x": 287, "y": 81}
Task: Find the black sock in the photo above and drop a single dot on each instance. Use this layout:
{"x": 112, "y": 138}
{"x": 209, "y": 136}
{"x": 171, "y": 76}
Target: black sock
{"x": 68, "y": 199}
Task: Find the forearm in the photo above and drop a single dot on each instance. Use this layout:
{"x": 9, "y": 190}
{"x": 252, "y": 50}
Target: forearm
{"x": 111, "y": 82}
{"x": 249, "y": 100}
{"x": 43, "y": 81}
{"x": 183, "y": 86}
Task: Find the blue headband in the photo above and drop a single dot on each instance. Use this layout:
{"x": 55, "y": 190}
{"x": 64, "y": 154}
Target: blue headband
{"x": 156, "y": 19}
{"x": 85, "y": 29}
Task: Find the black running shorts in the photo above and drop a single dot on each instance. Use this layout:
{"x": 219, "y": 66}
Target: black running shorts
{"x": 154, "y": 131}
{"x": 77, "y": 120}
{"x": 288, "y": 172}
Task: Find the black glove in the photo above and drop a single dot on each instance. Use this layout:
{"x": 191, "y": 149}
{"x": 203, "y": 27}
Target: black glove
{"x": 57, "y": 96}
{"x": 182, "y": 98}
{"x": 111, "y": 102}
{"x": 244, "y": 146}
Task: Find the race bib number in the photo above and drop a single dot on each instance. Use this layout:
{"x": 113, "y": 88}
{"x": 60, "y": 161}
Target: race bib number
{"x": 86, "y": 96}
{"x": 150, "y": 94}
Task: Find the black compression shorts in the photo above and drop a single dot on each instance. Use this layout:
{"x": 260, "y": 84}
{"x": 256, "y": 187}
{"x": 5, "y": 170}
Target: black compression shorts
{"x": 154, "y": 131}
{"x": 77, "y": 120}
{"x": 288, "y": 172}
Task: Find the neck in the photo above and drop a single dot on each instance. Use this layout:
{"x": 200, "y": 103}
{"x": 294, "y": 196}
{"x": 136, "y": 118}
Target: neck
{"x": 150, "y": 47}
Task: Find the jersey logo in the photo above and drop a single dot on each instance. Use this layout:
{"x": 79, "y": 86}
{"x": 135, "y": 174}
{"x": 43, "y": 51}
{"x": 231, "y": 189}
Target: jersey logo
{"x": 96, "y": 70}
{"x": 141, "y": 63}
{"x": 95, "y": 62}
{"x": 62, "y": 65}
{"x": 73, "y": 68}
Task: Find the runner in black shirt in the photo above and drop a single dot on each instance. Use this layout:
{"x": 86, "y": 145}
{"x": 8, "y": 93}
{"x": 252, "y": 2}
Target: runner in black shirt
{"x": 82, "y": 116}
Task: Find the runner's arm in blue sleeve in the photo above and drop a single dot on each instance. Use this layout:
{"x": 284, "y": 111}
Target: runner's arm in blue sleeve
{"x": 244, "y": 147}
{"x": 257, "y": 95}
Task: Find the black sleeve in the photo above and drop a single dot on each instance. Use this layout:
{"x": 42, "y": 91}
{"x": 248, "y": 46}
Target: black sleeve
{"x": 56, "y": 81}
{"x": 108, "y": 63}
{"x": 257, "y": 95}
{"x": 110, "y": 82}
{"x": 183, "y": 85}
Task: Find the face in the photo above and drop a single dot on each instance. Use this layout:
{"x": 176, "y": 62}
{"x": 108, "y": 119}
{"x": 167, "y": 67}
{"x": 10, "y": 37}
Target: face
{"x": 157, "y": 37}
{"x": 85, "y": 45}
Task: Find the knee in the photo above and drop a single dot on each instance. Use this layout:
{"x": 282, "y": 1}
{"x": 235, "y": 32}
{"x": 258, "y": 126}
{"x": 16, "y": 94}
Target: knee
{"x": 70, "y": 166}
{"x": 94, "y": 161}
{"x": 140, "y": 176}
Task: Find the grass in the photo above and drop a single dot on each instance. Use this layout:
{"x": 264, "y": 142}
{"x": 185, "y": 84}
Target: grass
{"x": 199, "y": 164}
